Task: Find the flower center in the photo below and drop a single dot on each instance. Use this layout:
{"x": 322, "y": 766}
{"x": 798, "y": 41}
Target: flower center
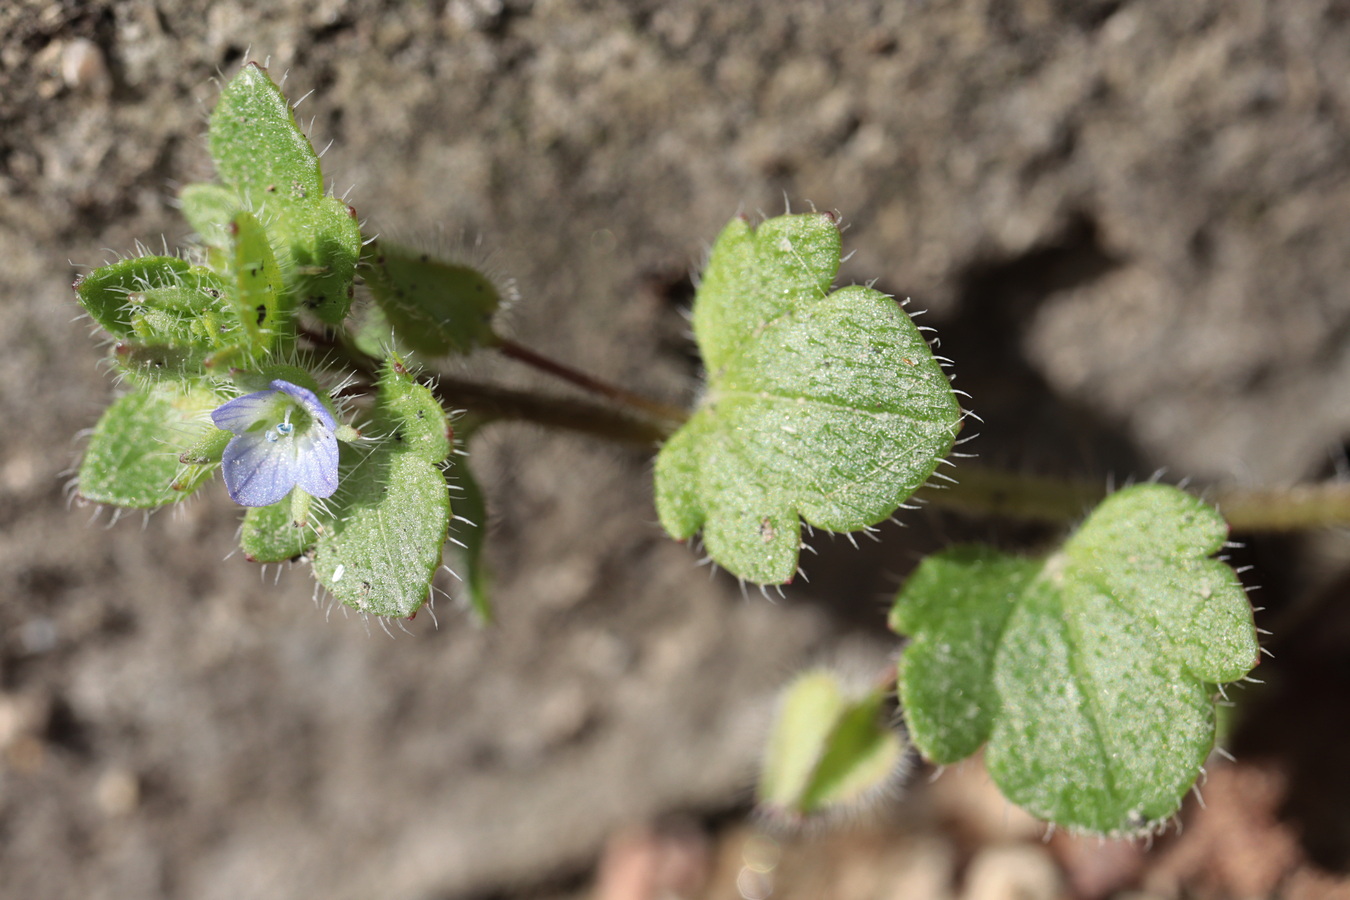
{"x": 284, "y": 429}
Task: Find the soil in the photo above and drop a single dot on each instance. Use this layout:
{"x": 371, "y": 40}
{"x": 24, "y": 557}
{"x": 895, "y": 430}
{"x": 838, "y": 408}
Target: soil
{"x": 1127, "y": 222}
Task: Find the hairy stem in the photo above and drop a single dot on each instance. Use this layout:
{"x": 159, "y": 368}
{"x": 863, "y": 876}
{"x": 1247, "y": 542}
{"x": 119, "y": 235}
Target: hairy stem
{"x": 978, "y": 490}
{"x": 1041, "y": 499}
{"x": 494, "y": 403}
{"x": 619, "y": 395}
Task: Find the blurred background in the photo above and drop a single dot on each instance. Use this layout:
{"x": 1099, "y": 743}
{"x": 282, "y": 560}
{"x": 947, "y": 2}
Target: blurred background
{"x": 1126, "y": 218}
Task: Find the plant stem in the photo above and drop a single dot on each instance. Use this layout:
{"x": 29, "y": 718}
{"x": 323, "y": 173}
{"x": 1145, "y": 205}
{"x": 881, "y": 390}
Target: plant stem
{"x": 1296, "y": 508}
{"x": 495, "y": 403}
{"x": 1032, "y": 498}
{"x": 1040, "y": 499}
{"x": 520, "y": 353}
{"x": 978, "y": 490}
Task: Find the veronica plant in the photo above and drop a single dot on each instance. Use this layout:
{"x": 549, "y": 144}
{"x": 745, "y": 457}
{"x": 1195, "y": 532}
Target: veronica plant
{"x": 1088, "y": 673}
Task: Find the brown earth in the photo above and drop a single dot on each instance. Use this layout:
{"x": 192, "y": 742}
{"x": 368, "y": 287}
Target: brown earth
{"x": 1128, "y": 222}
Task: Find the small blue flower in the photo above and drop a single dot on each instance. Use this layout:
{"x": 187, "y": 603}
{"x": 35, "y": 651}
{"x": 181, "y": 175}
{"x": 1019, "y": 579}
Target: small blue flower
{"x": 284, "y": 438}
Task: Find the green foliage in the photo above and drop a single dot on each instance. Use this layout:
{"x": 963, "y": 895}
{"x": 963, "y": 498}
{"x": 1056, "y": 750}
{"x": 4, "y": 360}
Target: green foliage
{"x": 210, "y": 208}
{"x": 265, "y": 159}
{"x": 133, "y": 458}
{"x": 168, "y": 314}
{"x": 828, "y": 406}
{"x": 114, "y": 295}
{"x": 827, "y": 751}
{"x": 260, "y": 301}
{"x": 383, "y": 544}
{"x": 1089, "y": 672}
{"x": 434, "y": 307}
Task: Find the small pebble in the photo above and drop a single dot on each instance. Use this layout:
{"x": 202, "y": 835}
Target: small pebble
{"x": 84, "y": 68}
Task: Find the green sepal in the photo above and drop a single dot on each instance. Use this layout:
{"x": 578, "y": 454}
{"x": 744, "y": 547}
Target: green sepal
{"x": 1090, "y": 673}
{"x": 433, "y": 306}
{"x": 391, "y": 514}
{"x": 270, "y": 534}
{"x": 208, "y": 449}
{"x": 827, "y": 750}
{"x": 133, "y": 457}
{"x": 824, "y": 407}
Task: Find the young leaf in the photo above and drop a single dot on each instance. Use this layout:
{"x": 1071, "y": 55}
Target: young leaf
{"x": 112, "y": 294}
{"x": 1088, "y": 672}
{"x": 264, "y": 157}
{"x": 435, "y": 307}
{"x": 209, "y": 209}
{"x": 133, "y": 458}
{"x": 258, "y": 148}
{"x": 393, "y": 509}
{"x": 165, "y": 312}
{"x": 827, "y": 751}
{"x": 824, "y": 406}
{"x": 260, "y": 300}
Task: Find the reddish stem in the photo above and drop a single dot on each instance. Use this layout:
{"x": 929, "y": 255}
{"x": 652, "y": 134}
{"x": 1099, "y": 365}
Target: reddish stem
{"x": 586, "y": 382}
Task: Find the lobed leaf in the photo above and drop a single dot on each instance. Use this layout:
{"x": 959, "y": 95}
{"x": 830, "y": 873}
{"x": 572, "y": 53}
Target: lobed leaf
{"x": 823, "y": 407}
{"x": 1088, "y": 672}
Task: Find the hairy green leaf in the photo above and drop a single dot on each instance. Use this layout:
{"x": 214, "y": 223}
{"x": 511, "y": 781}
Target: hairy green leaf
{"x": 114, "y": 294}
{"x": 825, "y": 406}
{"x": 435, "y": 307}
{"x": 392, "y": 511}
{"x": 133, "y": 458}
{"x": 263, "y": 156}
{"x": 258, "y": 148}
{"x": 827, "y": 750}
{"x": 168, "y": 315}
{"x": 1089, "y": 673}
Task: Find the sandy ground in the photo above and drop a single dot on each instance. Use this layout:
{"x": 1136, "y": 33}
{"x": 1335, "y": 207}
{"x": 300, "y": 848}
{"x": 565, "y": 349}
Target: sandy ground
{"x": 1127, "y": 222}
